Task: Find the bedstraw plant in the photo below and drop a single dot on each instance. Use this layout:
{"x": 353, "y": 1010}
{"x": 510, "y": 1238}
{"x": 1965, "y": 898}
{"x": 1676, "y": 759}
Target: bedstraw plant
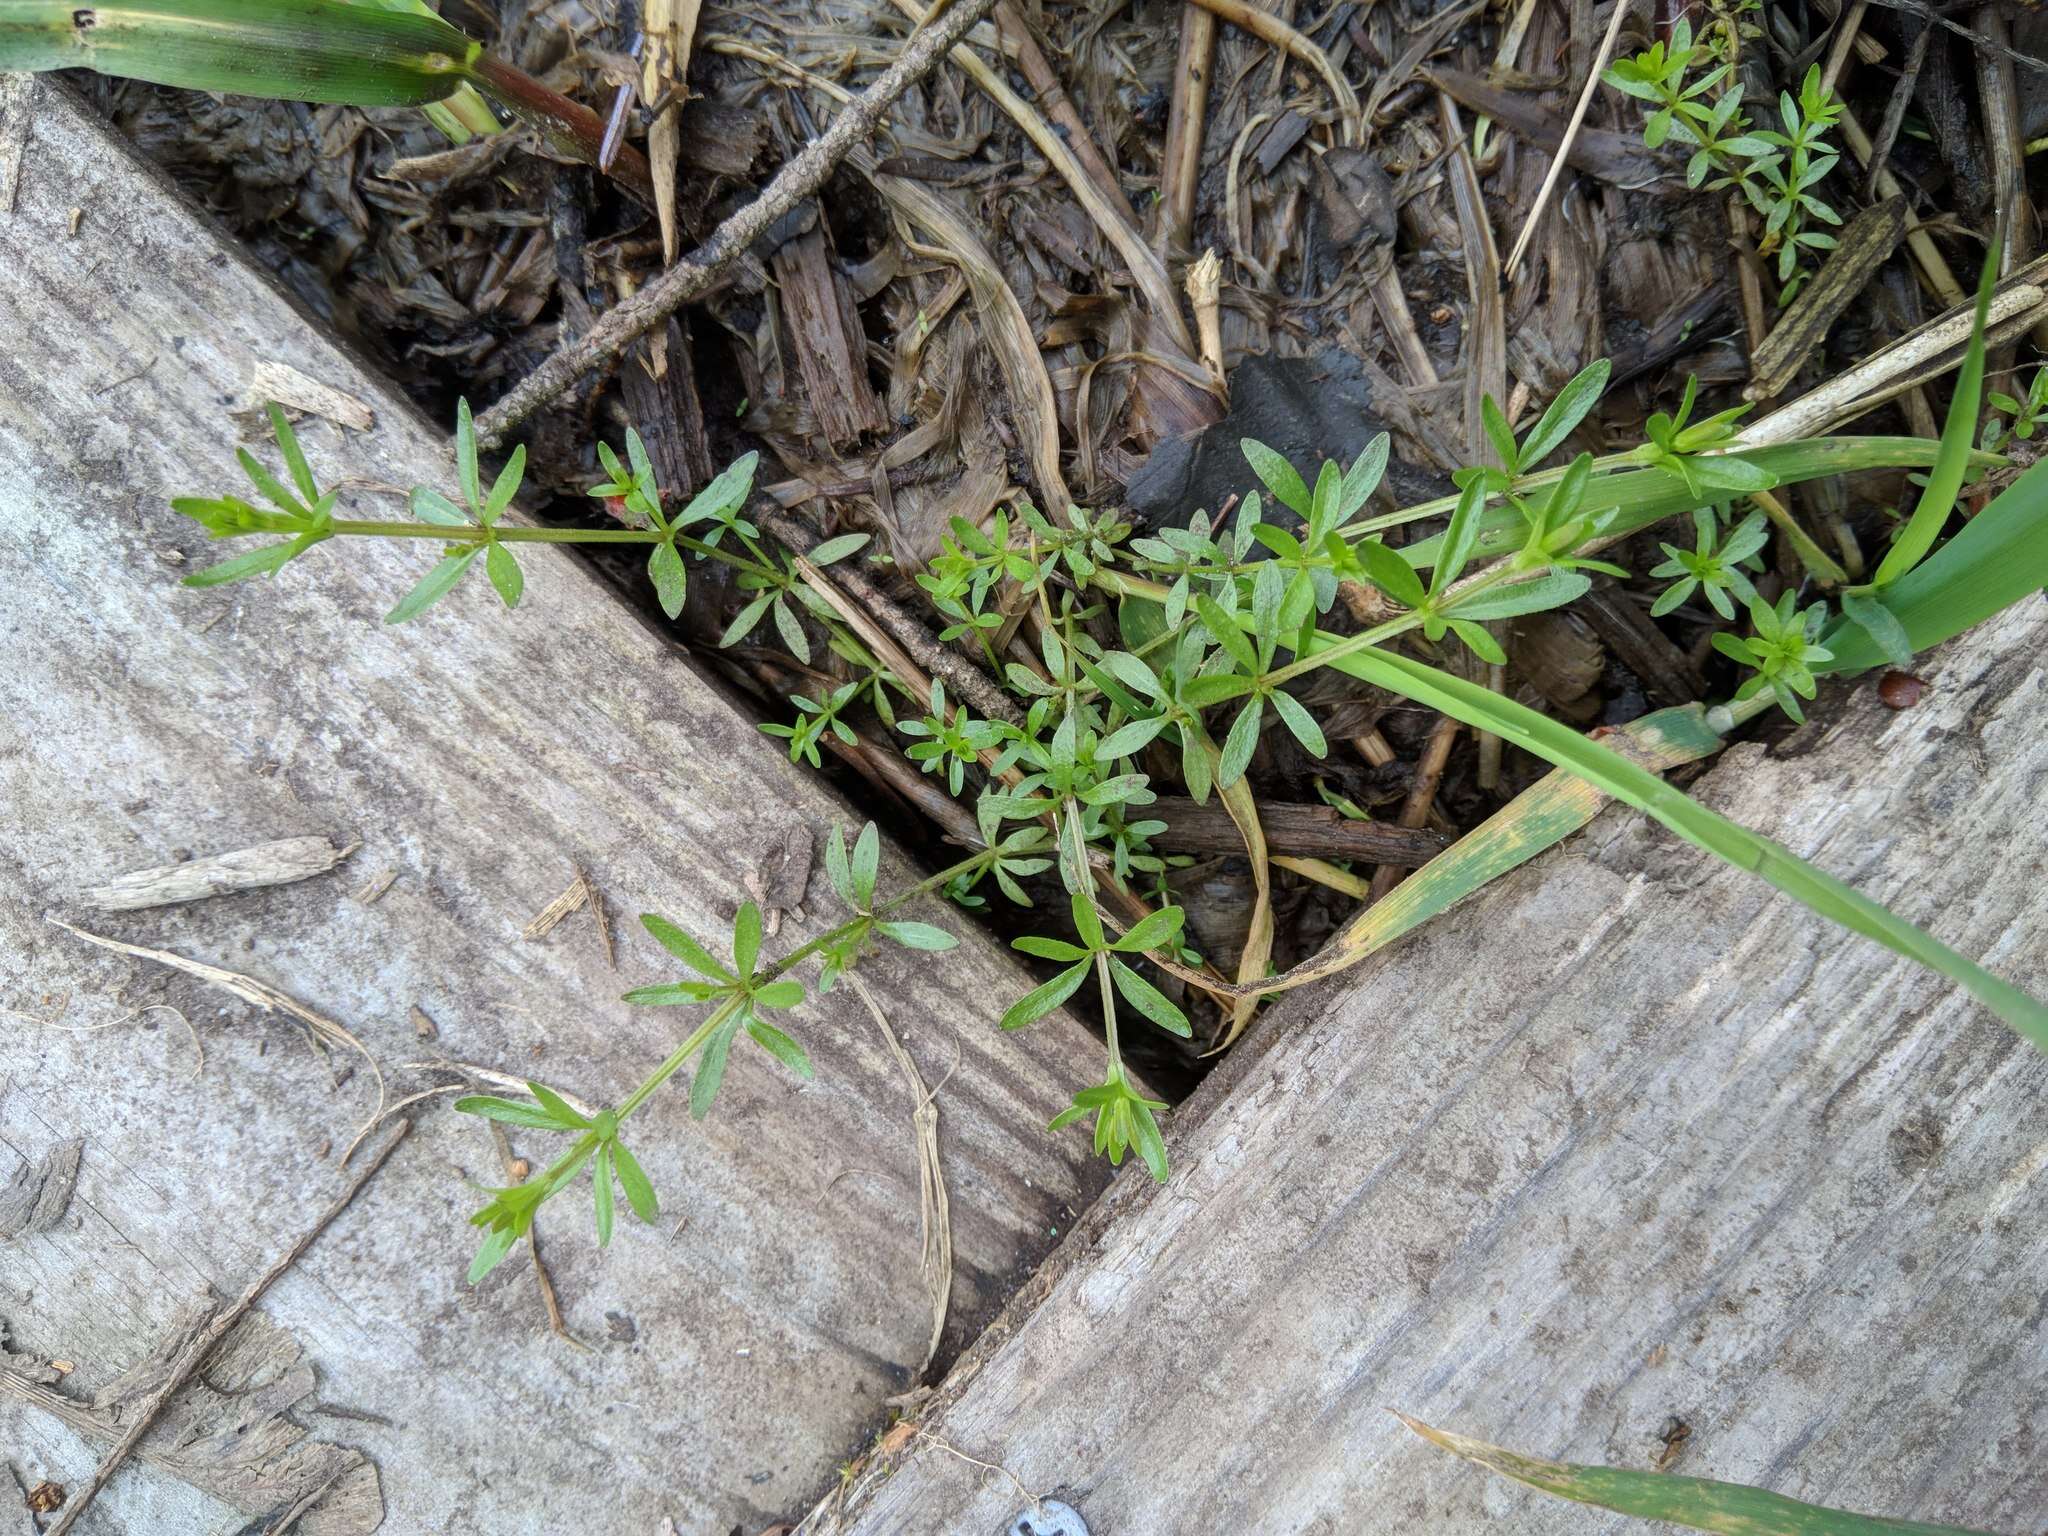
{"x": 1217, "y": 624}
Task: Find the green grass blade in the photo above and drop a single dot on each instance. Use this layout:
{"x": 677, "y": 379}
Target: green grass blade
{"x": 1641, "y": 497}
{"x": 1625, "y": 781}
{"x": 1701, "y": 1503}
{"x": 464, "y": 114}
{"x": 1958, "y": 432}
{"x": 291, "y": 50}
{"x": 1996, "y": 559}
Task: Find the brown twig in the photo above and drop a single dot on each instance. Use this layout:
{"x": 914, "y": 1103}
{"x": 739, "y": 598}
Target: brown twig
{"x": 1180, "y": 166}
{"x": 195, "y": 1354}
{"x": 1429, "y": 773}
{"x": 798, "y": 179}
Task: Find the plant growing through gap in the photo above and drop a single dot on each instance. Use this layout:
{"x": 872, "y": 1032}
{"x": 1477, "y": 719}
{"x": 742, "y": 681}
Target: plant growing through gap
{"x": 1215, "y": 618}
{"x": 1693, "y": 104}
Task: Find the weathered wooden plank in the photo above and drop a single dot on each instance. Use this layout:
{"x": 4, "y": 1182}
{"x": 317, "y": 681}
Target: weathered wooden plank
{"x": 728, "y": 1360}
{"x": 1626, "y": 1141}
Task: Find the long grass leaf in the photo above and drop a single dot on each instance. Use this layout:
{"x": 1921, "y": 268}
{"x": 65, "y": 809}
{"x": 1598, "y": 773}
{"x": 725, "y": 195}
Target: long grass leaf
{"x": 1617, "y": 776}
{"x": 1735, "y": 1509}
{"x": 291, "y": 50}
{"x": 1996, "y": 559}
{"x": 1641, "y": 497}
{"x": 1958, "y": 432}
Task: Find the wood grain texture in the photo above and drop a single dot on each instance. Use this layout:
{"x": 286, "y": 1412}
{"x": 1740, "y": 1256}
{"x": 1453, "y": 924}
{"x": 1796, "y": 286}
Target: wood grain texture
{"x": 737, "y": 1353}
{"x": 1626, "y": 1139}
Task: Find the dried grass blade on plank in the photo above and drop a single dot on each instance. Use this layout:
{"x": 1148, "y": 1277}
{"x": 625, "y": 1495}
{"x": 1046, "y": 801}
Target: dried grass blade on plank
{"x": 1704, "y": 1504}
{"x": 249, "y": 990}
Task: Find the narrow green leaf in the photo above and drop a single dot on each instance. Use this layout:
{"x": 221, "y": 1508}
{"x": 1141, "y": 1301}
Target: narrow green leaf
{"x": 1049, "y": 948}
{"x": 1479, "y": 642}
{"x": 918, "y": 935}
{"x": 1148, "y": 999}
{"x": 1571, "y": 407}
{"x": 632, "y": 1179}
{"x": 1499, "y": 434}
{"x": 1281, "y": 477}
{"x": 673, "y": 994}
{"x": 505, "y": 574}
{"x": 1878, "y": 622}
{"x": 671, "y": 583}
{"x": 685, "y": 948}
{"x": 779, "y": 994}
{"x": 291, "y": 50}
{"x": 1155, "y": 930}
{"x": 836, "y": 868}
{"x": 434, "y": 586}
{"x": 1458, "y": 538}
{"x": 430, "y": 506}
{"x": 272, "y": 488}
{"x": 1240, "y": 744}
{"x": 1299, "y": 723}
{"x": 510, "y": 1111}
{"x": 1145, "y": 1136}
{"x": 746, "y": 938}
{"x": 726, "y": 493}
{"x": 1484, "y": 710}
{"x": 867, "y": 863}
{"x": 488, "y": 1257}
{"x": 557, "y": 1106}
{"x": 781, "y": 1047}
{"x": 1390, "y": 573}
{"x": 839, "y": 548}
{"x": 465, "y": 453}
{"x": 294, "y": 456}
{"x": 791, "y": 631}
{"x": 1225, "y": 633}
{"x": 506, "y": 486}
{"x": 257, "y": 562}
{"x": 1551, "y": 590}
{"x": 1363, "y": 478}
{"x": 1042, "y": 999}
{"x": 1996, "y": 559}
{"x": 743, "y": 624}
{"x": 711, "y": 1069}
{"x": 1958, "y": 434}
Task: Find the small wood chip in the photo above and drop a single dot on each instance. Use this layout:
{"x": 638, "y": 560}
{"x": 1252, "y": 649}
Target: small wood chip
{"x": 375, "y": 886}
{"x": 581, "y": 892}
{"x": 282, "y": 384}
{"x": 278, "y": 863}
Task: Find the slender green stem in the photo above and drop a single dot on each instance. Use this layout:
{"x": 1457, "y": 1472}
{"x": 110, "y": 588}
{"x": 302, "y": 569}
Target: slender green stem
{"x": 681, "y": 1054}
{"x": 469, "y": 533}
{"x": 1116, "y": 1057}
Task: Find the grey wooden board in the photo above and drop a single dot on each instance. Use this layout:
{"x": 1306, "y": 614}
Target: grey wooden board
{"x": 741, "y": 1351}
{"x": 1629, "y": 1137}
